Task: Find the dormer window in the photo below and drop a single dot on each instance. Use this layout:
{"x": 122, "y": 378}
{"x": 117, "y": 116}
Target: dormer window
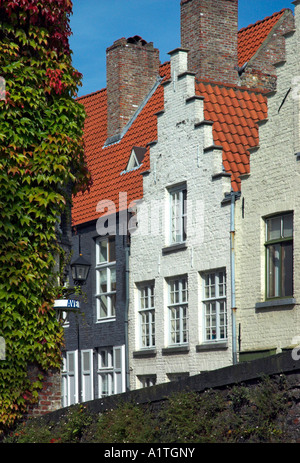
{"x": 136, "y": 158}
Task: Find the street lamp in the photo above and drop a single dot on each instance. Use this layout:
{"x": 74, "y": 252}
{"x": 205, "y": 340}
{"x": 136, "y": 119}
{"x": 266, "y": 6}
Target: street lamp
{"x": 80, "y": 270}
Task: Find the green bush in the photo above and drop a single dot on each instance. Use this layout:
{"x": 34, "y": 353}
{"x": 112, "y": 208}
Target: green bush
{"x": 237, "y": 414}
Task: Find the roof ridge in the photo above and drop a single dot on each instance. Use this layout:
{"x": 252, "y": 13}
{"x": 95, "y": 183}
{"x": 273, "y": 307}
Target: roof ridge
{"x": 91, "y": 94}
{"x": 267, "y": 18}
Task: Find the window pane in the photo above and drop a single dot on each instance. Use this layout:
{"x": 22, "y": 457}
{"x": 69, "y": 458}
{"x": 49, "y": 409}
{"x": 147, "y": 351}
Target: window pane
{"x": 103, "y": 280}
{"x": 112, "y": 250}
{"x": 273, "y": 270}
{"x": 287, "y": 269}
{"x": 103, "y": 251}
{"x": 274, "y": 228}
{"x": 184, "y": 295}
{"x": 287, "y": 226}
{"x": 113, "y": 305}
{"x": 113, "y": 279}
{"x": 103, "y": 306}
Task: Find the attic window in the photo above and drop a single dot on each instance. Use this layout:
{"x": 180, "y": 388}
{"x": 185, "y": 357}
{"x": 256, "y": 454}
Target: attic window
{"x": 136, "y": 159}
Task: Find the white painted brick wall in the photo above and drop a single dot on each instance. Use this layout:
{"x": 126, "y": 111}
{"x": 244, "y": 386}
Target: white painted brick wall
{"x": 272, "y": 187}
{"x": 178, "y": 157}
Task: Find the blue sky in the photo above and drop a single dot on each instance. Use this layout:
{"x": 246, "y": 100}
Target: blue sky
{"x": 96, "y": 24}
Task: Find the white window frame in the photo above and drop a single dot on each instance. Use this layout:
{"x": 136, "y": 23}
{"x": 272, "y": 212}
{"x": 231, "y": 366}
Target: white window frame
{"x": 178, "y": 214}
{"x": 178, "y": 325}
{"x": 70, "y": 376}
{"x": 109, "y": 268}
{"x": 87, "y": 392}
{"x": 112, "y": 371}
{"x": 147, "y": 315}
{"x": 215, "y": 306}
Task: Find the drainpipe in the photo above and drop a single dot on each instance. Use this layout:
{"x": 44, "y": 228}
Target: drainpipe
{"x": 127, "y": 251}
{"x": 232, "y": 265}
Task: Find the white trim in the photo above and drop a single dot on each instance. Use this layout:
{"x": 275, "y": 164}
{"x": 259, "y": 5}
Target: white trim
{"x": 87, "y": 395}
{"x": 69, "y": 377}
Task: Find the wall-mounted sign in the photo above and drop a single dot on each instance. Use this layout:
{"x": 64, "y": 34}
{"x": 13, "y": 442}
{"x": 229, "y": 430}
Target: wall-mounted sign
{"x": 67, "y": 304}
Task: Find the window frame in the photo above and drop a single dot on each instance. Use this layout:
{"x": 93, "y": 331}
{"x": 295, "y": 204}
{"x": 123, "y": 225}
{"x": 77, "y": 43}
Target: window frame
{"x": 150, "y": 311}
{"x": 112, "y": 371}
{"x": 181, "y": 217}
{"x": 109, "y": 266}
{"x": 181, "y": 309}
{"x": 281, "y": 242}
{"x": 216, "y": 299}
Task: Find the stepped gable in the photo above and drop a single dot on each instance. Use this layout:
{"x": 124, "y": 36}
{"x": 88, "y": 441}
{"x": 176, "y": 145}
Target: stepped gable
{"x": 233, "y": 111}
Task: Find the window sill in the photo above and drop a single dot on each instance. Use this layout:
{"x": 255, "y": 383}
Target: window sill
{"x": 272, "y": 303}
{"x": 144, "y": 353}
{"x": 106, "y": 320}
{"x": 183, "y": 349}
{"x": 174, "y": 248}
{"x": 213, "y": 345}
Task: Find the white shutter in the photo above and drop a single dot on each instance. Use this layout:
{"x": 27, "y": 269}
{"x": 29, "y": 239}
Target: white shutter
{"x": 119, "y": 369}
{"x": 87, "y": 375}
{"x": 72, "y": 377}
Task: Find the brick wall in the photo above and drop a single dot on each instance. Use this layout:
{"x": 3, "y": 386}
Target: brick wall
{"x": 50, "y": 396}
{"x": 132, "y": 68}
{"x": 209, "y": 31}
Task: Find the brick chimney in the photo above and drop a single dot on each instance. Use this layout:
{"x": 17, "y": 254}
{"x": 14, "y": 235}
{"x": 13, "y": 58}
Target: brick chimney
{"x": 209, "y": 30}
{"x": 132, "y": 68}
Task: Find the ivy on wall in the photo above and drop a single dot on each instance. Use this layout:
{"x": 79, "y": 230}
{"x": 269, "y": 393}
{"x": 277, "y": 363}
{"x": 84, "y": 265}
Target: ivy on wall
{"x": 41, "y": 165}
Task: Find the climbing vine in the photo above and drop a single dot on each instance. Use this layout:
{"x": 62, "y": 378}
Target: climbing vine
{"x": 41, "y": 165}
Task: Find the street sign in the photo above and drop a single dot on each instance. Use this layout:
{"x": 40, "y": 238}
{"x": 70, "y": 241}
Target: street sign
{"x": 66, "y": 304}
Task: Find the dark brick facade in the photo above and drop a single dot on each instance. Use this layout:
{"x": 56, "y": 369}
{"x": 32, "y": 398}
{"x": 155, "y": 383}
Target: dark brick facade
{"x": 83, "y": 332}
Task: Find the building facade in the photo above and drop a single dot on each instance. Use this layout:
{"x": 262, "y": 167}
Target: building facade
{"x": 267, "y": 218}
{"x": 179, "y": 312}
{"x": 167, "y": 152}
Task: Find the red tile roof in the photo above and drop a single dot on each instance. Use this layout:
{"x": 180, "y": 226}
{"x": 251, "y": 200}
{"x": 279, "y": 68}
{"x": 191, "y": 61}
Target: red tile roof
{"x": 106, "y": 164}
{"x": 234, "y": 112}
{"x": 251, "y": 37}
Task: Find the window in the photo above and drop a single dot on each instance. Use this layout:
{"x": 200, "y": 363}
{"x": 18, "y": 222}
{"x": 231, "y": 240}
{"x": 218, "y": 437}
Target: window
{"x": 178, "y": 214}
{"x": 147, "y": 381}
{"x": 70, "y": 379}
{"x": 178, "y": 307}
{"x": 214, "y": 301}
{"x": 111, "y": 371}
{"x": 106, "y": 278}
{"x": 147, "y": 316}
{"x": 136, "y": 158}
{"x": 279, "y": 256}
{"x": 87, "y": 375}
